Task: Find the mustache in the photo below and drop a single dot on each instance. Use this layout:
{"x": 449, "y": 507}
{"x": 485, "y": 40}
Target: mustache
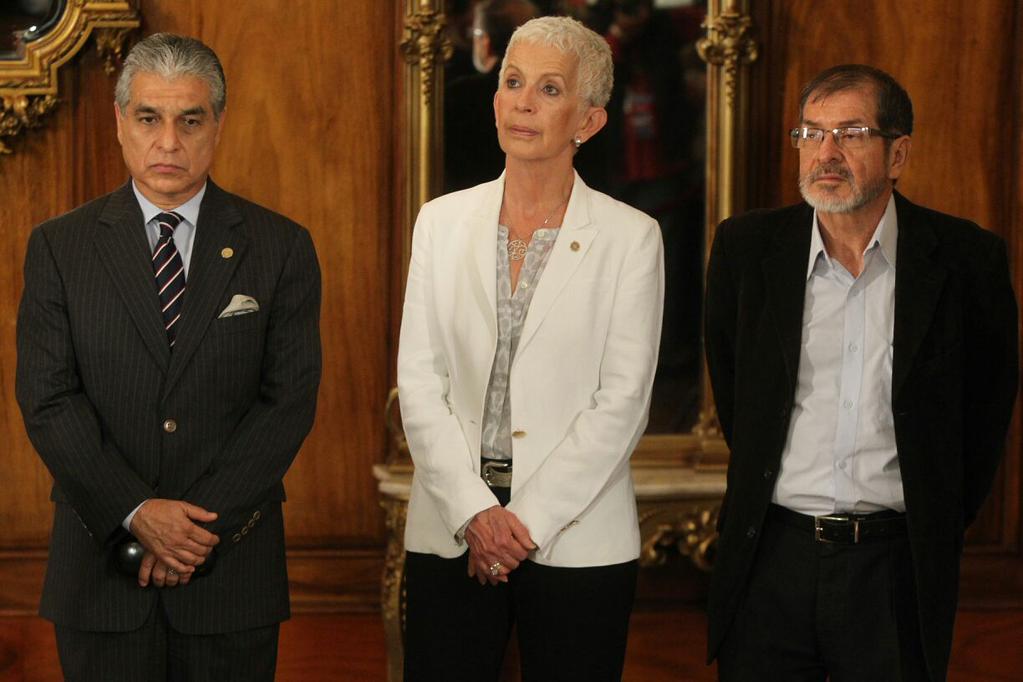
{"x": 828, "y": 169}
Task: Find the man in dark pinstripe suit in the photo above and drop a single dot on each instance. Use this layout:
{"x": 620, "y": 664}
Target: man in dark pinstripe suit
{"x": 168, "y": 364}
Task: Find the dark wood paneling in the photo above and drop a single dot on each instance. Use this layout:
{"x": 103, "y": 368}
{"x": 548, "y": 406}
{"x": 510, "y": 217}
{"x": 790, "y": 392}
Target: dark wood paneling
{"x": 309, "y": 133}
{"x": 960, "y": 63}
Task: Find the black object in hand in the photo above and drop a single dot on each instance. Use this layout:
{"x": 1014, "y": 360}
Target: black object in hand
{"x": 128, "y": 558}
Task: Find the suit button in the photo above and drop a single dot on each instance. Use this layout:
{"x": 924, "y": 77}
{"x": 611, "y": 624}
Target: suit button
{"x": 751, "y": 532}
{"x": 518, "y": 434}
{"x": 170, "y": 426}
{"x": 237, "y": 537}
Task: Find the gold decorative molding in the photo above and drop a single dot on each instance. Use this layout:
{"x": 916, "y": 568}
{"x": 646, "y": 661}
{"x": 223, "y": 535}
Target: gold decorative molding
{"x": 23, "y": 112}
{"x": 423, "y": 46}
{"x": 110, "y": 43}
{"x": 426, "y": 45}
{"x": 689, "y": 527}
{"x": 28, "y": 84}
{"x": 728, "y": 44}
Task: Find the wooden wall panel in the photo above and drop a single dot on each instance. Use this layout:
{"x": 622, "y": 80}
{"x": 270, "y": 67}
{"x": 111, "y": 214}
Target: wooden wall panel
{"x": 308, "y": 133}
{"x": 960, "y": 62}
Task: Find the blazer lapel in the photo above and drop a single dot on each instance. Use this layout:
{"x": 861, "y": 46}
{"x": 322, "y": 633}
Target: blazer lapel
{"x": 124, "y": 251}
{"x": 574, "y": 240}
{"x": 482, "y": 242}
{"x": 208, "y": 275}
{"x": 785, "y": 283}
{"x": 918, "y": 286}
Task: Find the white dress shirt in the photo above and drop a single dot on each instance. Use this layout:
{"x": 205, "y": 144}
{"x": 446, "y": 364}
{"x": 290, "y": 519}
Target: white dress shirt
{"x": 840, "y": 453}
{"x": 184, "y": 236}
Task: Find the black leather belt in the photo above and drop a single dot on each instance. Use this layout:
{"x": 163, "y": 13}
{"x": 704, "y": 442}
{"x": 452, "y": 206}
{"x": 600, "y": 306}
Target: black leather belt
{"x": 845, "y": 529}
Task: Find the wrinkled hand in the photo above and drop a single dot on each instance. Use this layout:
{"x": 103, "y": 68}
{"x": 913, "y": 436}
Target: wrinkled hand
{"x": 161, "y": 574}
{"x": 169, "y": 530}
{"x": 496, "y": 535}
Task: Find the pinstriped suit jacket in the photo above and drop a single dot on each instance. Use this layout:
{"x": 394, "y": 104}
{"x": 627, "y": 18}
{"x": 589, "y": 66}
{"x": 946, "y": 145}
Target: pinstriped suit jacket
{"x": 96, "y": 381}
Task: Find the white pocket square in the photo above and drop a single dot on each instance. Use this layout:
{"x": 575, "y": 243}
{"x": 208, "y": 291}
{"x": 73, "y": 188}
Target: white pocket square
{"x": 240, "y": 305}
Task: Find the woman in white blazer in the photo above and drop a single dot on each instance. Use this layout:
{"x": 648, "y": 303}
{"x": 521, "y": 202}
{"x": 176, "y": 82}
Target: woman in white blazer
{"x": 528, "y": 345}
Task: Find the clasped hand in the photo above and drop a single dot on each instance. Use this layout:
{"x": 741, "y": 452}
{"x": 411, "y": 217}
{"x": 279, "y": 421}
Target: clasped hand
{"x": 496, "y": 536}
{"x": 175, "y": 543}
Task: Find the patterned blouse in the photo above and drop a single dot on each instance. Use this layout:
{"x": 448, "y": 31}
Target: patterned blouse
{"x": 511, "y": 313}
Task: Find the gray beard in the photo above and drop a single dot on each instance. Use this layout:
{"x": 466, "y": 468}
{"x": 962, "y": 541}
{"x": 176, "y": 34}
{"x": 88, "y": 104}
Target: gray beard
{"x": 824, "y": 202}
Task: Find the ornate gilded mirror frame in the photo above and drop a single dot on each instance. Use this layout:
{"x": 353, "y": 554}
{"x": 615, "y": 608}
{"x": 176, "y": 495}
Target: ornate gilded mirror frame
{"x": 728, "y": 48}
{"x": 28, "y": 83}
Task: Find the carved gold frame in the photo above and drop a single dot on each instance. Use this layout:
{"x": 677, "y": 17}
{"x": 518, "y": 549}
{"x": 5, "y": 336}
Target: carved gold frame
{"x": 28, "y": 85}
{"x": 728, "y": 48}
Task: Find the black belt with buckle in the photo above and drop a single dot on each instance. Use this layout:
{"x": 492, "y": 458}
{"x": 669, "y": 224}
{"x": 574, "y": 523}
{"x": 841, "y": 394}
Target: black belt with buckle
{"x": 497, "y": 473}
{"x": 845, "y": 529}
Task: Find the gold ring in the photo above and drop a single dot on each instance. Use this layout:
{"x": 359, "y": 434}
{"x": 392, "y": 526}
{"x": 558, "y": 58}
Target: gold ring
{"x": 495, "y": 568}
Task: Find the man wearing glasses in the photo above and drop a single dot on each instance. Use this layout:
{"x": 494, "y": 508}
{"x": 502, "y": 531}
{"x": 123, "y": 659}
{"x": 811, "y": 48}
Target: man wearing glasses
{"x": 864, "y": 360}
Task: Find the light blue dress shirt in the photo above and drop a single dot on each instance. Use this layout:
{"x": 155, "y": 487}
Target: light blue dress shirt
{"x": 184, "y": 234}
{"x": 840, "y": 453}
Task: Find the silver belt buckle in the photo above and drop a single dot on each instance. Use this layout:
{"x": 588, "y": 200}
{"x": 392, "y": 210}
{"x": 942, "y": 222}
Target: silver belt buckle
{"x": 818, "y": 527}
{"x": 496, "y": 474}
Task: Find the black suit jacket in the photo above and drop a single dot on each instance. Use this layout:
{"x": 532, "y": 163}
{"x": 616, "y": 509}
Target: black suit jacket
{"x": 96, "y": 382}
{"x": 954, "y": 380}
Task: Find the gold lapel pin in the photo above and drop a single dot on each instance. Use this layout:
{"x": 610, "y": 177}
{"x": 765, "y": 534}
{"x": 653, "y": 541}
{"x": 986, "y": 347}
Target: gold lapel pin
{"x": 574, "y": 246}
{"x": 226, "y": 252}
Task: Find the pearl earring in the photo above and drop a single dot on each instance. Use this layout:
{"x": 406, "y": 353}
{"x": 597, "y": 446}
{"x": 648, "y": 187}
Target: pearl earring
{"x": 578, "y": 143}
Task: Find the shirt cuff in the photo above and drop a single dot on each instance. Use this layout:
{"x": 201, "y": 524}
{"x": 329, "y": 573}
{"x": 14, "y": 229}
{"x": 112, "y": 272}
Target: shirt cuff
{"x": 127, "y": 519}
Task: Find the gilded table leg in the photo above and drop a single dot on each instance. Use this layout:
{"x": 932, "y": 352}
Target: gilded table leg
{"x": 689, "y": 526}
{"x": 392, "y": 596}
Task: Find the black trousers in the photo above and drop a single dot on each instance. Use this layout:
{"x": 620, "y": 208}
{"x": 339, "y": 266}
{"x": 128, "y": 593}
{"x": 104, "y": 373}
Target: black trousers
{"x": 158, "y": 653}
{"x": 815, "y": 611}
{"x": 572, "y": 623}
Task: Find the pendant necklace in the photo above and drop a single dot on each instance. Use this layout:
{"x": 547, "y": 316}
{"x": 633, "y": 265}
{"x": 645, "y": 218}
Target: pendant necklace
{"x": 517, "y": 247}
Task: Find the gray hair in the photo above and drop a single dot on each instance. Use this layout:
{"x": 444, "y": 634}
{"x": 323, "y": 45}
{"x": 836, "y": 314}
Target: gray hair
{"x": 172, "y": 56}
{"x": 594, "y": 68}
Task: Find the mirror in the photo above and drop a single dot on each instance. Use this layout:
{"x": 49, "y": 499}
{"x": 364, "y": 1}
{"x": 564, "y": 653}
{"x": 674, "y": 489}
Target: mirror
{"x": 650, "y": 155}
{"x": 23, "y": 21}
{"x": 676, "y": 135}
{"x": 37, "y": 37}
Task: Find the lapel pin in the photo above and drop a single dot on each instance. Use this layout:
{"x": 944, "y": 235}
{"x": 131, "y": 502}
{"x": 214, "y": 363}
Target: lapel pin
{"x": 226, "y": 252}
{"x": 574, "y": 246}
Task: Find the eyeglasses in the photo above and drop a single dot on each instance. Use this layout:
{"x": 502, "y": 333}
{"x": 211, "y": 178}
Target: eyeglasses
{"x": 855, "y": 137}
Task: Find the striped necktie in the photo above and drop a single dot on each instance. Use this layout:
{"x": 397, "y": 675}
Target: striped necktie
{"x": 170, "y": 273}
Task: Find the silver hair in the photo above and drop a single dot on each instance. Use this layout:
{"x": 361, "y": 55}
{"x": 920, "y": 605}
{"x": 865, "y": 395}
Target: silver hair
{"x": 595, "y": 70}
{"x": 172, "y": 56}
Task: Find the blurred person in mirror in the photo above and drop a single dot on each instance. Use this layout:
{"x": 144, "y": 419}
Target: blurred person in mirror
{"x": 528, "y": 345}
{"x": 651, "y": 156}
{"x": 471, "y": 152}
{"x": 864, "y": 360}
{"x": 168, "y": 364}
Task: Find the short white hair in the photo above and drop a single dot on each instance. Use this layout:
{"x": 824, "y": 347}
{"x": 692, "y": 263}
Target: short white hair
{"x": 594, "y": 68}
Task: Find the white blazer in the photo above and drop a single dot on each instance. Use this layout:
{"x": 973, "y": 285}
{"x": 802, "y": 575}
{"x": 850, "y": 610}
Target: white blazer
{"x": 580, "y": 381}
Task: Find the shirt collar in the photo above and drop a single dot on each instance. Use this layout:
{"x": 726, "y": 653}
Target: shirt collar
{"x": 188, "y": 210}
{"x": 886, "y": 237}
